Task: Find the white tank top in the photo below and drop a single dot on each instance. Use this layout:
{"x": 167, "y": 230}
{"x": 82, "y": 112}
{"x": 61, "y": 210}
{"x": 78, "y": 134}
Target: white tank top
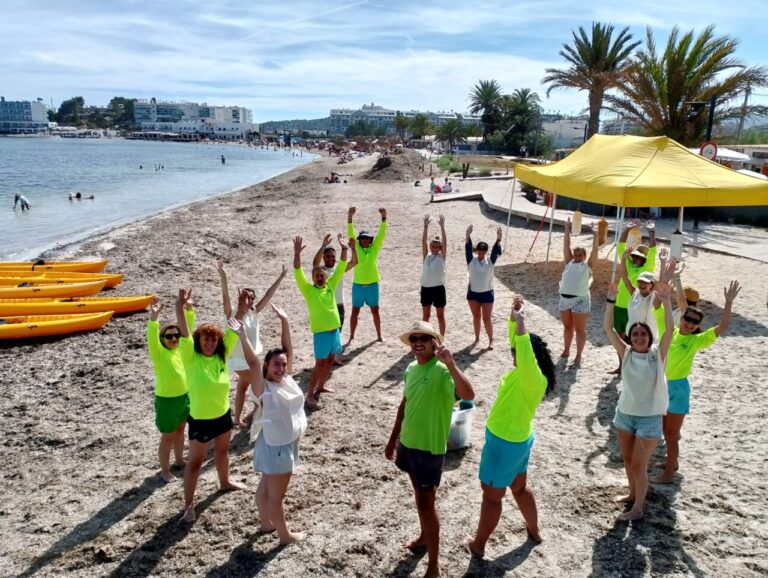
{"x": 282, "y": 419}
{"x": 643, "y": 384}
{"x": 575, "y": 279}
{"x": 433, "y": 271}
{"x": 640, "y": 308}
{"x": 480, "y": 275}
{"x": 236, "y": 361}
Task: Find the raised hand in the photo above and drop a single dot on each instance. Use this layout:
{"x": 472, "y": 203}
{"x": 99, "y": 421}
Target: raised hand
{"x": 732, "y": 291}
{"x": 383, "y": 213}
{"x": 298, "y": 247}
{"x": 279, "y": 311}
{"x": 613, "y": 288}
{"x": 242, "y": 299}
{"x": 342, "y": 243}
{"x": 499, "y": 233}
{"x": 284, "y": 271}
{"x": 663, "y": 255}
{"x": 426, "y": 221}
{"x": 650, "y": 226}
{"x": 154, "y": 309}
{"x": 441, "y": 220}
{"x": 469, "y": 231}
{"x": 593, "y": 227}
{"x": 662, "y": 292}
{"x": 185, "y": 296}
{"x": 567, "y": 227}
{"x": 351, "y": 212}
{"x": 517, "y": 302}
{"x": 327, "y": 240}
{"x": 236, "y": 326}
{"x": 351, "y": 241}
{"x": 444, "y": 355}
{"x": 220, "y": 266}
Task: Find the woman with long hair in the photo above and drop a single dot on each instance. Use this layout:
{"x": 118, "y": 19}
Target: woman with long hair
{"x": 480, "y": 294}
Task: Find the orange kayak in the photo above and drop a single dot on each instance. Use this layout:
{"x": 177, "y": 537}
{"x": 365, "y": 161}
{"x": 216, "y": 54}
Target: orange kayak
{"x": 41, "y": 265}
{"x": 25, "y": 326}
{"x": 74, "y": 305}
{"x": 63, "y": 290}
{"x": 12, "y": 277}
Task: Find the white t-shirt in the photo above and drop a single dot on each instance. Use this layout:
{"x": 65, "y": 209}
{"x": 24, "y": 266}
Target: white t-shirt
{"x": 236, "y": 361}
{"x": 283, "y": 420}
{"x": 641, "y": 308}
{"x": 340, "y": 287}
{"x": 575, "y": 279}
{"x": 481, "y": 275}
{"x": 643, "y": 383}
{"x": 433, "y": 271}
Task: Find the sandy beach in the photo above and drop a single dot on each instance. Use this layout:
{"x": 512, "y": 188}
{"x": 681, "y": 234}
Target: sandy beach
{"x": 82, "y": 498}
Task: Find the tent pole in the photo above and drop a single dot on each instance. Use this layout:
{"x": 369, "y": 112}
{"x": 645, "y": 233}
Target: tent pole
{"x": 551, "y": 222}
{"x": 680, "y": 219}
{"x": 509, "y": 213}
{"x": 619, "y": 228}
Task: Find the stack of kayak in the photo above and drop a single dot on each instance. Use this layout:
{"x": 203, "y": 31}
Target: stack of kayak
{"x": 45, "y": 298}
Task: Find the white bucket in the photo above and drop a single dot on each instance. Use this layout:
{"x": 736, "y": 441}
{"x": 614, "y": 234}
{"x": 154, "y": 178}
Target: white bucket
{"x": 461, "y": 427}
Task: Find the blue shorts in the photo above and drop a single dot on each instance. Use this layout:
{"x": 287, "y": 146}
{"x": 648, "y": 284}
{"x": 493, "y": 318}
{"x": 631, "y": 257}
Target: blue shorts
{"x": 502, "y": 461}
{"x": 482, "y": 297}
{"x": 274, "y": 459}
{"x": 327, "y": 343}
{"x": 642, "y": 426}
{"x": 679, "y": 396}
{"x": 365, "y": 295}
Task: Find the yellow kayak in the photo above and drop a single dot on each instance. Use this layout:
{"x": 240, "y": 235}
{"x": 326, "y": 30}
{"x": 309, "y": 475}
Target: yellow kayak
{"x": 41, "y": 265}
{"x": 63, "y": 290}
{"x": 74, "y": 305}
{"x": 12, "y": 277}
{"x": 25, "y": 326}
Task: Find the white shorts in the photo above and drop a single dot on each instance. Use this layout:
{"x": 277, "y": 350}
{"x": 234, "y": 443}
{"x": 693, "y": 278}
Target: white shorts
{"x": 581, "y": 304}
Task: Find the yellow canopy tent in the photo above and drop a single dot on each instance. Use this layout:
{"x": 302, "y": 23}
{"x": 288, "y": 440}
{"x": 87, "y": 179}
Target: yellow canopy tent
{"x": 632, "y": 171}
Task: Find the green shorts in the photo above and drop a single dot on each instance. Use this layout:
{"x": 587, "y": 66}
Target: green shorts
{"x": 620, "y": 319}
{"x": 170, "y": 412}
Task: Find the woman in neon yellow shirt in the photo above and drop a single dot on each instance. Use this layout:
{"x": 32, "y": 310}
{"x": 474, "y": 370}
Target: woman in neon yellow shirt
{"x": 171, "y": 398}
{"x": 509, "y": 431}
{"x": 205, "y": 359}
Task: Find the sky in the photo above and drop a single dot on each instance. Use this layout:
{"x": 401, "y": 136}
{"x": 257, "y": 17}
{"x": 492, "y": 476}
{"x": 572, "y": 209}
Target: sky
{"x": 299, "y": 59}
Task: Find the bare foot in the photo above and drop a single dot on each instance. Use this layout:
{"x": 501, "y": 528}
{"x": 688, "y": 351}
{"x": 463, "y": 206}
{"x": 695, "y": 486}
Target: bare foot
{"x": 629, "y": 516}
{"x": 167, "y": 477}
{"x": 265, "y": 530}
{"x": 180, "y": 463}
{"x": 189, "y": 514}
{"x": 311, "y": 402}
{"x": 616, "y": 371}
{"x": 432, "y": 573}
{"x": 470, "y": 545}
{"x": 662, "y": 478}
{"x": 231, "y": 486}
{"x": 416, "y": 544}
{"x": 534, "y": 535}
{"x": 292, "y": 538}
{"x": 475, "y": 342}
{"x": 490, "y": 345}
{"x": 564, "y": 355}
{"x": 380, "y": 339}
{"x": 624, "y": 499}
{"x": 325, "y": 390}
{"x": 338, "y": 362}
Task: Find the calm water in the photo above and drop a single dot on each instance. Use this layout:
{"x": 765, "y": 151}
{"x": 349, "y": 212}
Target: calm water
{"x": 46, "y": 170}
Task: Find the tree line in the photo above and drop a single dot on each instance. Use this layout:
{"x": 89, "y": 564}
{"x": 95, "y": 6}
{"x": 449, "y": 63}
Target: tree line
{"x": 73, "y": 112}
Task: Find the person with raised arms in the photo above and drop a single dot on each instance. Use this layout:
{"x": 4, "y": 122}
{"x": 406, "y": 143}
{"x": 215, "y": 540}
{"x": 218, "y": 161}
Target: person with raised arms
{"x": 365, "y": 285}
{"x": 509, "y": 431}
{"x": 433, "y": 253}
{"x": 480, "y": 295}
{"x": 249, "y": 315}
{"x": 326, "y": 258}
{"x": 686, "y": 343}
{"x": 324, "y": 319}
{"x": 419, "y": 437}
{"x": 205, "y": 356}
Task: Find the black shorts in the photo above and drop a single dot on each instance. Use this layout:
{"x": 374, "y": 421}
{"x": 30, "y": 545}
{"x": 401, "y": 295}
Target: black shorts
{"x": 425, "y": 467}
{"x": 433, "y": 296}
{"x": 481, "y": 297}
{"x": 205, "y": 430}
{"x": 341, "y": 313}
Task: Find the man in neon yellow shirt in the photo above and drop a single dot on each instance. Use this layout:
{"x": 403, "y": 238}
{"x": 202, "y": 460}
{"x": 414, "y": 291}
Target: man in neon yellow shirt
{"x": 682, "y": 351}
{"x": 324, "y": 319}
{"x": 365, "y": 285}
{"x": 422, "y": 425}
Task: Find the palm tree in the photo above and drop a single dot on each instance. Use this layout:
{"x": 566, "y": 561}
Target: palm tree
{"x": 401, "y": 125}
{"x": 419, "y": 125}
{"x": 520, "y": 114}
{"x": 669, "y": 93}
{"x": 597, "y": 64}
{"x": 485, "y": 99}
{"x": 451, "y": 132}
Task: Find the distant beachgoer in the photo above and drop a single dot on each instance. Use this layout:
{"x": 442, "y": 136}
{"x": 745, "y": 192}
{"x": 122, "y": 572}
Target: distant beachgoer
{"x": 78, "y": 196}
{"x": 279, "y": 430}
{"x": 480, "y": 294}
{"x": 205, "y": 360}
{"x": 71, "y": 197}
{"x": 419, "y": 438}
{"x": 432, "y": 184}
{"x": 686, "y": 343}
{"x": 248, "y": 312}
{"x": 171, "y": 397}
{"x": 509, "y": 431}
{"x": 365, "y": 287}
{"x": 223, "y": 160}
{"x": 141, "y": 167}
{"x": 21, "y": 199}
{"x": 91, "y": 198}
{"x": 433, "y": 254}
{"x": 575, "y": 301}
{"x": 447, "y": 187}
{"x": 643, "y": 399}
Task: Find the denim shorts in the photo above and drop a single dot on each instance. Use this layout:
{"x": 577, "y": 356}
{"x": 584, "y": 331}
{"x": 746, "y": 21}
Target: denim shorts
{"x": 642, "y": 426}
{"x": 502, "y": 461}
{"x": 365, "y": 295}
{"x": 581, "y": 304}
{"x": 481, "y": 297}
{"x": 274, "y": 459}
{"x": 327, "y": 343}
{"x": 679, "y": 396}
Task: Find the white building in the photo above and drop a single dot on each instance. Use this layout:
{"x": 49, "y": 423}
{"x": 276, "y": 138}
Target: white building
{"x": 379, "y": 116}
{"x": 23, "y": 117}
{"x": 218, "y": 122}
{"x": 566, "y": 132}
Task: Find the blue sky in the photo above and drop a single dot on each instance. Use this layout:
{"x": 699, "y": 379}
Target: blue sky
{"x": 299, "y": 59}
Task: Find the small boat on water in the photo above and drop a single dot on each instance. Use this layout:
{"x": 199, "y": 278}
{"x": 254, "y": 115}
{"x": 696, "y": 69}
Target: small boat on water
{"x": 62, "y": 290}
{"x": 27, "y": 326}
{"x": 14, "y": 277}
{"x": 37, "y": 306}
{"x": 42, "y": 265}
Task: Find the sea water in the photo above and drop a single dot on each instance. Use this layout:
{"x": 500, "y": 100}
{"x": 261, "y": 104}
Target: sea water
{"x": 47, "y": 169}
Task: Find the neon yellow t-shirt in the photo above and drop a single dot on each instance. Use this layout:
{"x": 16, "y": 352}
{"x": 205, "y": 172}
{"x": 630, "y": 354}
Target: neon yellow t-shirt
{"x": 170, "y": 376}
{"x": 321, "y": 302}
{"x": 207, "y": 378}
{"x": 367, "y": 268}
{"x": 684, "y": 348}
{"x": 623, "y": 296}
{"x": 429, "y": 396}
{"x": 520, "y": 393}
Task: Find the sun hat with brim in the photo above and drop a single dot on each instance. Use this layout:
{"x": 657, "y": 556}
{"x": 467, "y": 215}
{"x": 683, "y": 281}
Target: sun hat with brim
{"x": 481, "y": 246}
{"x": 646, "y": 276}
{"x": 365, "y": 234}
{"x": 691, "y": 294}
{"x": 640, "y": 251}
{"x": 436, "y": 239}
{"x": 421, "y": 328}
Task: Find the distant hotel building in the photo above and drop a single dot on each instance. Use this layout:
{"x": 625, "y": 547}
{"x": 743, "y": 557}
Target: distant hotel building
{"x": 379, "y": 116}
{"x": 23, "y": 117}
{"x": 190, "y": 118}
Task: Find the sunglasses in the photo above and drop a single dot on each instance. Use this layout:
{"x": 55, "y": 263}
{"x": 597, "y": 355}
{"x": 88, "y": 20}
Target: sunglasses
{"x": 171, "y": 335}
{"x": 420, "y": 338}
{"x": 690, "y": 319}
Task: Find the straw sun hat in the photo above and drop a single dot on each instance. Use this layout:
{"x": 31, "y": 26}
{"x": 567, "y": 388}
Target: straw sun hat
{"x": 421, "y": 328}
